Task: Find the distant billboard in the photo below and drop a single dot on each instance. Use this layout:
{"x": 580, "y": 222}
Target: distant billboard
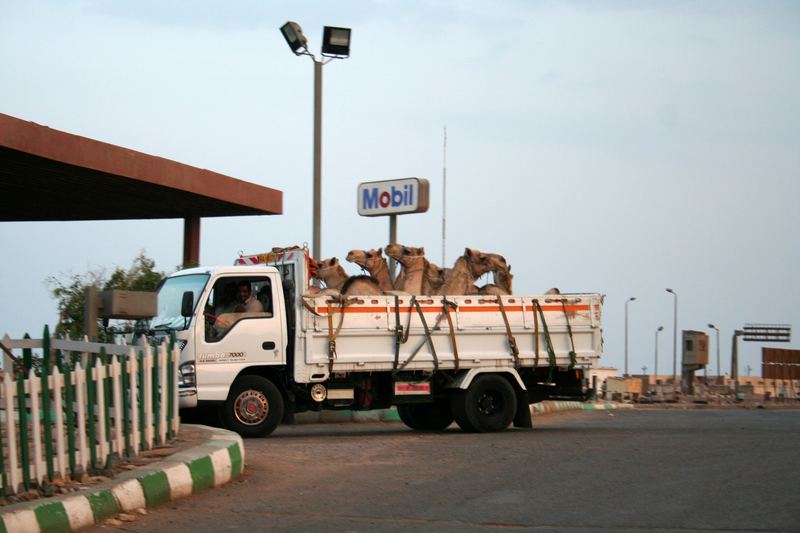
{"x": 393, "y": 197}
{"x": 778, "y": 363}
{"x": 767, "y": 332}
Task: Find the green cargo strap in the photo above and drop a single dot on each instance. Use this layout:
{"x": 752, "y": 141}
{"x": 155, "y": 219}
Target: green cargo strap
{"x": 512, "y": 342}
{"x": 572, "y": 354}
{"x": 427, "y": 338}
{"x": 551, "y": 353}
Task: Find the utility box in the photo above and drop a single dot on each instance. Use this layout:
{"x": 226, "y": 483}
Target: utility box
{"x": 130, "y": 305}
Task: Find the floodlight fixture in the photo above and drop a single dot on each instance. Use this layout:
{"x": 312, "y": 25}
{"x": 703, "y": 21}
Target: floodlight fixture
{"x": 336, "y": 42}
{"x": 293, "y": 34}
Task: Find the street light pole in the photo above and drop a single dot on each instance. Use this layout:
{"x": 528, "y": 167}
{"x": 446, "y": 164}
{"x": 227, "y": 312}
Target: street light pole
{"x": 632, "y": 298}
{"x": 335, "y": 44}
{"x": 719, "y": 368}
{"x": 316, "y": 241}
{"x": 675, "y": 342}
{"x": 655, "y": 370}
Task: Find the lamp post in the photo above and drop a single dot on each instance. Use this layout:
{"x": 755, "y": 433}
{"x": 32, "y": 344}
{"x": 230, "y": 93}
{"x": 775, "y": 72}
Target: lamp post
{"x": 655, "y": 369}
{"x": 675, "y": 341}
{"x": 335, "y": 44}
{"x": 719, "y": 368}
{"x": 632, "y": 298}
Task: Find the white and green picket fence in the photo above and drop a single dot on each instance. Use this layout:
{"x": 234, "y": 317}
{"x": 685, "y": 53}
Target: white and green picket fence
{"x": 79, "y": 406}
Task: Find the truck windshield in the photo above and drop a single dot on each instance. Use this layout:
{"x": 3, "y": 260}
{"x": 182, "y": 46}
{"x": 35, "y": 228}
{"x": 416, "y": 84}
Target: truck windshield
{"x": 170, "y": 296}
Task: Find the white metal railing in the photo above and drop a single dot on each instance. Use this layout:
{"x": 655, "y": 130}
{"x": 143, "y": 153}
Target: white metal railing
{"x": 81, "y": 407}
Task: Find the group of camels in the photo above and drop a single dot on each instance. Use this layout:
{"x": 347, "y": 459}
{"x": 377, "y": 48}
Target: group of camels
{"x": 417, "y": 276}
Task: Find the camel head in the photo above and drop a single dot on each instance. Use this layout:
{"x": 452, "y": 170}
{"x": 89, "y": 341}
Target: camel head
{"x": 330, "y": 271}
{"x": 497, "y": 262}
{"x": 398, "y": 252}
{"x": 328, "y": 263}
{"x": 365, "y": 258}
{"x": 480, "y": 263}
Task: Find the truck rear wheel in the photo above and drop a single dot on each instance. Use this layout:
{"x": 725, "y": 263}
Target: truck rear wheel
{"x": 254, "y": 407}
{"x": 435, "y": 416}
{"x": 489, "y": 404}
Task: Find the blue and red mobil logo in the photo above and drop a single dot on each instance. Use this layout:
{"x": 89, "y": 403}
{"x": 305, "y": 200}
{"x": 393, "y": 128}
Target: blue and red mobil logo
{"x": 393, "y": 197}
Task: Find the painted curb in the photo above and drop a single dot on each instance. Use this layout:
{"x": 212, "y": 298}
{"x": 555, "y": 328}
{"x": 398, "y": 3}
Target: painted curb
{"x": 390, "y": 415}
{"x": 214, "y": 462}
{"x": 557, "y": 406}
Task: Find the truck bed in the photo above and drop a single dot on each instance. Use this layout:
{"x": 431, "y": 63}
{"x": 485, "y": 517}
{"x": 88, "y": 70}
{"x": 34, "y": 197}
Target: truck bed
{"x": 364, "y": 331}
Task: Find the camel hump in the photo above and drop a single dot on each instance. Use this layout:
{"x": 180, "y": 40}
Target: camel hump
{"x": 358, "y": 281}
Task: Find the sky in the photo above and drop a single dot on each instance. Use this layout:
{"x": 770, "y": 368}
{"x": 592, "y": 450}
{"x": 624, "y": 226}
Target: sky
{"x": 615, "y": 147}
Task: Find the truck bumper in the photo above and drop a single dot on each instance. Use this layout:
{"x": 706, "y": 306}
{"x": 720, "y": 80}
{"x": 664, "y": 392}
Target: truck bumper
{"x": 187, "y": 398}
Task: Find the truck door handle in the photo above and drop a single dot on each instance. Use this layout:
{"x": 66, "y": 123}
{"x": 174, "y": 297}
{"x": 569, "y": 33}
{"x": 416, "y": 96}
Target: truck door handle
{"x": 269, "y": 345}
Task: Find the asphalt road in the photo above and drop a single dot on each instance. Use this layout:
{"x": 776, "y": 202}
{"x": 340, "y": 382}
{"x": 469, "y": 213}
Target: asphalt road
{"x": 638, "y": 470}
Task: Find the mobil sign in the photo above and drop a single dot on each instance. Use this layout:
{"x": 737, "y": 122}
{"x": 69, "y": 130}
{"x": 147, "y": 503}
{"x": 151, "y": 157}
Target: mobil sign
{"x": 393, "y": 197}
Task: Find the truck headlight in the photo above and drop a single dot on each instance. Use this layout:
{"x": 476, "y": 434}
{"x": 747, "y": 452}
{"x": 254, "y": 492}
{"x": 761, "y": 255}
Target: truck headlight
{"x": 186, "y": 375}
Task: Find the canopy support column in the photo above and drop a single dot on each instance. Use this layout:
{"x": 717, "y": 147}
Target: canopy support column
{"x": 191, "y": 241}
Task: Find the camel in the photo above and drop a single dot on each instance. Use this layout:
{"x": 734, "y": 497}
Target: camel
{"x": 434, "y": 277}
{"x": 468, "y": 268}
{"x": 418, "y": 275}
{"x": 330, "y": 271}
{"x": 501, "y": 285}
{"x": 374, "y": 263}
{"x": 396, "y": 251}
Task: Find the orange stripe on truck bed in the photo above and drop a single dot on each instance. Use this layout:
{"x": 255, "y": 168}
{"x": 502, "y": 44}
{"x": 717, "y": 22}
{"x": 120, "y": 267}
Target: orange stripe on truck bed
{"x": 469, "y": 309}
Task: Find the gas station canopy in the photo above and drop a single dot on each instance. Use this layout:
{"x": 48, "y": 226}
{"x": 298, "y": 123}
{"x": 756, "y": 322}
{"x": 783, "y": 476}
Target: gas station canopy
{"x": 50, "y": 175}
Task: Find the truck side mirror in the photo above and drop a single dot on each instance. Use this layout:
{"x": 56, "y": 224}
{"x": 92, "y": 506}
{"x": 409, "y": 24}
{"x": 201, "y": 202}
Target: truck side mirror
{"x": 187, "y": 304}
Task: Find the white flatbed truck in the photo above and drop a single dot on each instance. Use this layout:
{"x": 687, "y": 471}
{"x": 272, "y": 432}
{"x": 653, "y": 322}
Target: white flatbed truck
{"x": 476, "y": 360}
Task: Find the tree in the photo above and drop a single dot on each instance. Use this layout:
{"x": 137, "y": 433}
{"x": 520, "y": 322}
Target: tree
{"x": 69, "y": 293}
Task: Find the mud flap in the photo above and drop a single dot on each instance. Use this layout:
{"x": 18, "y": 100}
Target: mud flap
{"x": 522, "y": 419}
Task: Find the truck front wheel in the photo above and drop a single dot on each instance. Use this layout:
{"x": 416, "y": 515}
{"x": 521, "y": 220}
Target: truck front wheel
{"x": 434, "y": 416}
{"x": 489, "y": 404}
{"x": 254, "y": 407}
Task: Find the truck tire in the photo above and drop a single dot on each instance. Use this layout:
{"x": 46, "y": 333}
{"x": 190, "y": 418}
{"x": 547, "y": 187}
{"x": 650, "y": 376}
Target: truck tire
{"x": 435, "y": 416}
{"x": 489, "y": 404}
{"x": 254, "y": 407}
